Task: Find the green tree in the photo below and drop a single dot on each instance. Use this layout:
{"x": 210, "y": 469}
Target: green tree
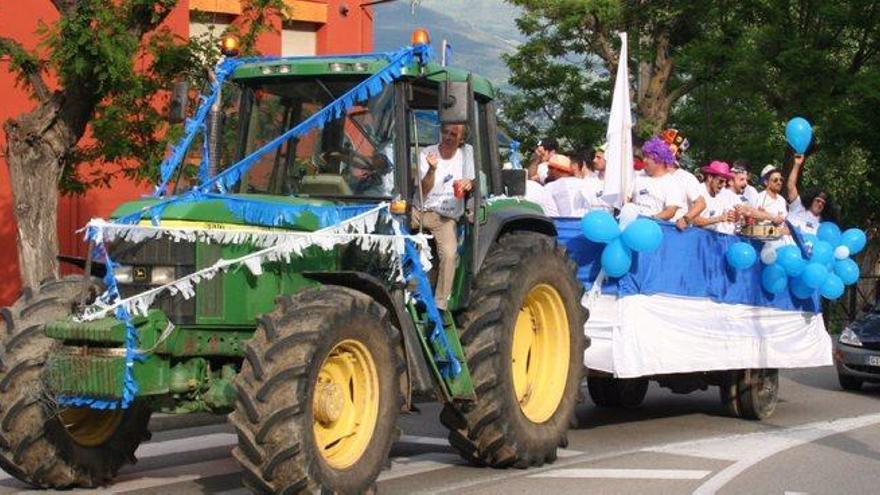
{"x": 562, "y": 73}
{"x": 113, "y": 64}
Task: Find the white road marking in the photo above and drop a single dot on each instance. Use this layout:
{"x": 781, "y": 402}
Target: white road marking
{"x": 626, "y": 474}
{"x": 750, "y": 449}
{"x": 419, "y": 464}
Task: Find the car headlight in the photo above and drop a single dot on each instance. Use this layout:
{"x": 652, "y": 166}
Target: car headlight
{"x": 161, "y": 275}
{"x": 123, "y": 274}
{"x": 849, "y": 337}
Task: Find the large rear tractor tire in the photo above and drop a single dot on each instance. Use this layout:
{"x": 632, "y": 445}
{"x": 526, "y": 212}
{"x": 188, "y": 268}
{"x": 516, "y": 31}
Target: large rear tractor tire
{"x": 42, "y": 444}
{"x": 523, "y": 337}
{"x": 318, "y": 394}
{"x": 750, "y": 394}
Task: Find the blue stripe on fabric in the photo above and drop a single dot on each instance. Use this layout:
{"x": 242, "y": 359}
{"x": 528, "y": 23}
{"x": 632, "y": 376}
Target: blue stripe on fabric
{"x": 690, "y": 264}
{"x": 269, "y": 214}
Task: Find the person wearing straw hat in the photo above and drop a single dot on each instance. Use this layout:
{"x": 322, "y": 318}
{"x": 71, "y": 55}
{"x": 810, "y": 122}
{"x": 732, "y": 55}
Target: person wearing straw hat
{"x": 720, "y": 212}
{"x": 657, "y": 194}
{"x": 563, "y": 185}
{"x": 770, "y": 204}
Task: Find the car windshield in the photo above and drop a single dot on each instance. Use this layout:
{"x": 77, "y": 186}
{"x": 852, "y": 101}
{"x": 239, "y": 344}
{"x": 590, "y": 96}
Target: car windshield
{"x": 349, "y": 157}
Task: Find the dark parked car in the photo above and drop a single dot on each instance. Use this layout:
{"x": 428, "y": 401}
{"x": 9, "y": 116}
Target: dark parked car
{"x": 857, "y": 352}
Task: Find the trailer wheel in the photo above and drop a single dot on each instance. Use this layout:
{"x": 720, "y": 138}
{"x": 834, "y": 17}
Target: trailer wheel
{"x": 318, "y": 394}
{"x": 751, "y": 394}
{"x": 523, "y": 337}
{"x": 42, "y": 444}
{"x": 628, "y": 393}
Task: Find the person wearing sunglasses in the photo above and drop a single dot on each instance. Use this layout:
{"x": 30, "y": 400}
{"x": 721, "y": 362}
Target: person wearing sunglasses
{"x": 805, "y": 219}
{"x": 770, "y": 203}
{"x": 720, "y": 212}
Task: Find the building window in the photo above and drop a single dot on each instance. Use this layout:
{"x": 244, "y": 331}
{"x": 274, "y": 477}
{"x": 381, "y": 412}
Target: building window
{"x": 208, "y": 25}
{"x": 298, "y": 39}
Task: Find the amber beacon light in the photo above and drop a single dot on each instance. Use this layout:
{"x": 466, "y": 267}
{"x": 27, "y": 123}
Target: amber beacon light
{"x": 420, "y": 36}
{"x": 229, "y": 46}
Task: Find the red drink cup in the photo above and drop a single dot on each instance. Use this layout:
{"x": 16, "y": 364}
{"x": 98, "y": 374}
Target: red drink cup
{"x": 458, "y": 189}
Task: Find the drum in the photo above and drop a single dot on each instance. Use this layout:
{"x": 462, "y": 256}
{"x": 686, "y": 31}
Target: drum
{"x": 765, "y": 231}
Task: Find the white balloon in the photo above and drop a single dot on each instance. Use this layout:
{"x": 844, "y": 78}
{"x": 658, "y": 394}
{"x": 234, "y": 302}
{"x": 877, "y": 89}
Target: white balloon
{"x": 768, "y": 254}
{"x": 628, "y": 214}
{"x": 841, "y": 252}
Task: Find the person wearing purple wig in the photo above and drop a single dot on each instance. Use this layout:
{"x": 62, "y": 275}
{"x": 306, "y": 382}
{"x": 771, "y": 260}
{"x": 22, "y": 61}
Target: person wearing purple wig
{"x": 656, "y": 194}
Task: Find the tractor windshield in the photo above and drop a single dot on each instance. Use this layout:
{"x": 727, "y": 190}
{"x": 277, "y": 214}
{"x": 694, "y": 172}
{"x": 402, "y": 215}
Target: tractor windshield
{"x": 348, "y": 157}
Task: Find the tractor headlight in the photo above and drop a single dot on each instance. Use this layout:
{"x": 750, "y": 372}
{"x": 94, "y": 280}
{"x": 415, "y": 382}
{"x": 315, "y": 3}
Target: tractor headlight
{"x": 162, "y": 275}
{"x": 849, "y": 337}
{"x": 123, "y": 274}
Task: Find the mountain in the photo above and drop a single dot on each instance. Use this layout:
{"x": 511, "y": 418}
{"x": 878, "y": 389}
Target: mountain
{"x": 480, "y": 31}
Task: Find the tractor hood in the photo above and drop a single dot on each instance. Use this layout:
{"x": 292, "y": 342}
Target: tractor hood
{"x": 258, "y": 210}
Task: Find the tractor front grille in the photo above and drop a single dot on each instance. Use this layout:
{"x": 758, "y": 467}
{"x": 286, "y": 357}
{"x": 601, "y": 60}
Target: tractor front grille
{"x": 145, "y": 255}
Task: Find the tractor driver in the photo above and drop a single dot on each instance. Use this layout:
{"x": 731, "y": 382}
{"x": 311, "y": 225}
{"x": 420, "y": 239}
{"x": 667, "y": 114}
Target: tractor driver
{"x": 446, "y": 172}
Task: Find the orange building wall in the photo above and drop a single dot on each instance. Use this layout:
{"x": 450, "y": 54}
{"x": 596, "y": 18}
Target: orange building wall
{"x": 340, "y": 33}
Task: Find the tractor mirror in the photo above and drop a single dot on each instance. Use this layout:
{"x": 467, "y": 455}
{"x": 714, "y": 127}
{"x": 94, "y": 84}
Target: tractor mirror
{"x": 179, "y": 101}
{"x": 514, "y": 181}
{"x": 454, "y": 102}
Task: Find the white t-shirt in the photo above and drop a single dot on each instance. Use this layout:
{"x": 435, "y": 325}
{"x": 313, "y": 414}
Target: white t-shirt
{"x": 590, "y": 197}
{"x": 775, "y": 207}
{"x": 536, "y": 193}
{"x": 566, "y": 192}
{"x": 441, "y": 198}
{"x": 751, "y": 194}
{"x": 718, "y": 205}
{"x": 690, "y": 186}
{"x": 654, "y": 194}
{"x": 802, "y": 218}
{"x": 741, "y": 198}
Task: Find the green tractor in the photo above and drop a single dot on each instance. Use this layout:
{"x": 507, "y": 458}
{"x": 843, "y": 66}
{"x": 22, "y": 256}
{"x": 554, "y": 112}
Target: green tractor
{"x": 312, "y": 359}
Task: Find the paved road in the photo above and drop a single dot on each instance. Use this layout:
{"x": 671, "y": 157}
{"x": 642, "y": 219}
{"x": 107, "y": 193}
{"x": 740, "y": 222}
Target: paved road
{"x": 821, "y": 440}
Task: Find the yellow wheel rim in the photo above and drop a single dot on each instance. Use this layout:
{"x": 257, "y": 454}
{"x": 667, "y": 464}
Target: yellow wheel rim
{"x": 345, "y": 404}
{"x": 90, "y": 427}
{"x": 540, "y": 353}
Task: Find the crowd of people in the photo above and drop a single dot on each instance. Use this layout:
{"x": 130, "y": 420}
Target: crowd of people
{"x": 722, "y": 200}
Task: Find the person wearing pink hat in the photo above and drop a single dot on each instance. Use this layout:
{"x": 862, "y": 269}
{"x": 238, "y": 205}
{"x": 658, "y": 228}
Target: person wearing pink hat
{"x": 719, "y": 214}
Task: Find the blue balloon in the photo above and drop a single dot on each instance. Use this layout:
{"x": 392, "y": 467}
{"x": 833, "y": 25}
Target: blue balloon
{"x": 616, "y": 259}
{"x": 798, "y": 133}
{"x": 789, "y": 257}
{"x": 800, "y": 289}
{"x": 854, "y": 239}
{"x": 814, "y": 275}
{"x": 810, "y": 239}
{"x": 847, "y": 270}
{"x": 600, "y": 226}
{"x": 823, "y": 253}
{"x": 642, "y": 235}
{"x": 774, "y": 279}
{"x": 829, "y": 232}
{"x": 741, "y": 255}
{"x": 832, "y": 288}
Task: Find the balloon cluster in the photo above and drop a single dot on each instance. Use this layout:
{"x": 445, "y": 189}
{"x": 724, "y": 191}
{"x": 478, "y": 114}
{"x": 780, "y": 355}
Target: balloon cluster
{"x": 827, "y": 269}
{"x": 641, "y": 235}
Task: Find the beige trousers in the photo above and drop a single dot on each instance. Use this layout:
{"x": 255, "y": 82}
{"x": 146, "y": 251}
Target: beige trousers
{"x": 443, "y": 230}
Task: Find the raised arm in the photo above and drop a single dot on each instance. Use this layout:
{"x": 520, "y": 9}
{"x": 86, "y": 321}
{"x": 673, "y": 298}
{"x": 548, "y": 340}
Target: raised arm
{"x": 791, "y": 185}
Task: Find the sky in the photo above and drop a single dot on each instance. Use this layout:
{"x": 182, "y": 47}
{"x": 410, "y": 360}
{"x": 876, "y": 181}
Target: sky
{"x": 480, "y": 31}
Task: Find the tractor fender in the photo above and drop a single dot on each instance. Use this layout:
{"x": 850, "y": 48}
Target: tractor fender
{"x": 508, "y": 220}
{"x": 420, "y": 381}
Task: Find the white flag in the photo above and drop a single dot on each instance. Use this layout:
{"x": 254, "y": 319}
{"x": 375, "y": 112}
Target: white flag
{"x": 619, "y": 172}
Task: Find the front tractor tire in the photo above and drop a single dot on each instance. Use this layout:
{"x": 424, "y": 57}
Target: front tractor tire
{"x": 523, "y": 338}
{"x": 751, "y": 393}
{"x": 42, "y": 444}
{"x": 318, "y": 394}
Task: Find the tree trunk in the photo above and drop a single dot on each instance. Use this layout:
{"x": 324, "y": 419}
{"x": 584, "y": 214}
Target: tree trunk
{"x": 36, "y": 142}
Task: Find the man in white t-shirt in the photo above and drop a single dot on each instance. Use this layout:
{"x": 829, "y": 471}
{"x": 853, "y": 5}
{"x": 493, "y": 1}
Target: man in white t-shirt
{"x": 539, "y": 167}
{"x": 444, "y": 169}
{"x": 742, "y": 167}
{"x": 564, "y": 186}
{"x": 536, "y": 193}
{"x": 720, "y": 212}
{"x": 657, "y": 194}
{"x": 770, "y": 204}
{"x": 806, "y": 220}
